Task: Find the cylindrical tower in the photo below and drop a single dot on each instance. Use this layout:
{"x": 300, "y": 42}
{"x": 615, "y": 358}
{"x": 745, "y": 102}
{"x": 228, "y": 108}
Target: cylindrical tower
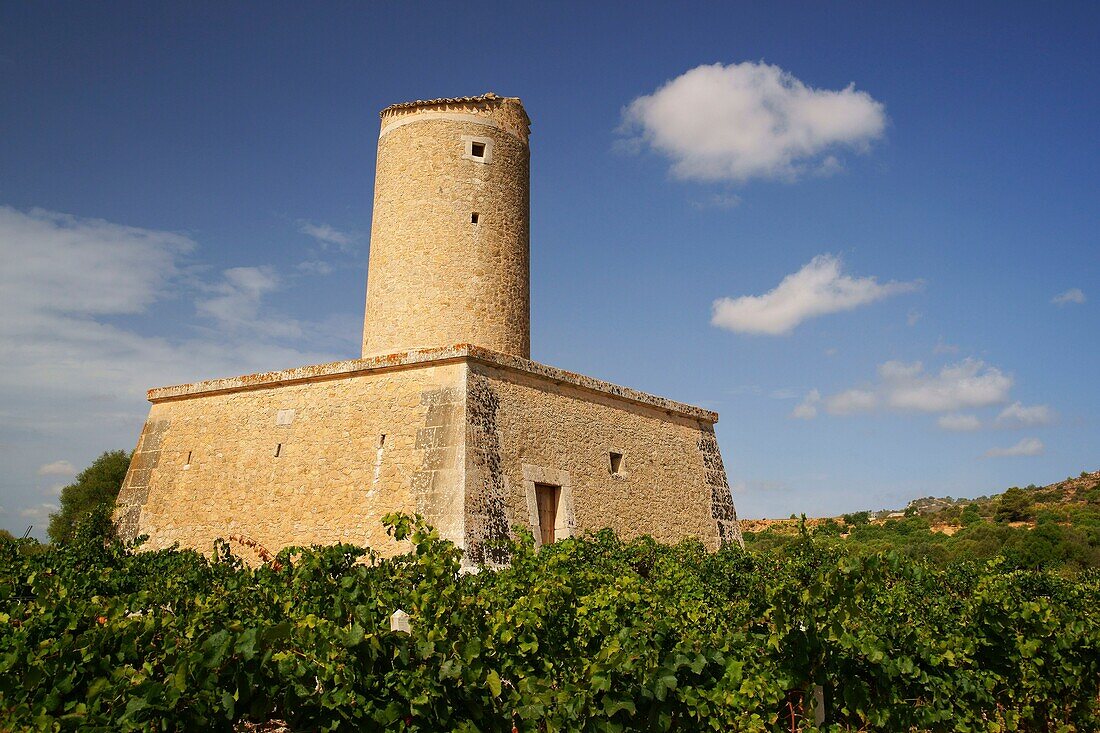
{"x": 450, "y": 238}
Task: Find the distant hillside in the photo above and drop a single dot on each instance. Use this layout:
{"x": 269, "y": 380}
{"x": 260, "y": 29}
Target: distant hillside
{"x": 1083, "y": 489}
{"x": 1049, "y": 526}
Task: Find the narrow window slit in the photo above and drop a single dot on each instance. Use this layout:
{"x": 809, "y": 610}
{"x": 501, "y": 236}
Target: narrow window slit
{"x": 616, "y": 460}
{"x": 278, "y": 449}
{"x": 188, "y": 463}
{"x": 474, "y": 217}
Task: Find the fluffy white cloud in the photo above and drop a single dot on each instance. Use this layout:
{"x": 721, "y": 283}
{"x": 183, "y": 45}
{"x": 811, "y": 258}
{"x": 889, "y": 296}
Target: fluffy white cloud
{"x": 969, "y": 383}
{"x": 817, "y": 289}
{"x": 1018, "y": 416}
{"x": 1026, "y": 447}
{"x": 959, "y": 423}
{"x": 59, "y": 264}
{"x": 751, "y": 120}
{"x": 851, "y": 401}
{"x": 906, "y": 386}
{"x": 327, "y": 235}
{"x": 807, "y": 409}
{"x": 57, "y": 468}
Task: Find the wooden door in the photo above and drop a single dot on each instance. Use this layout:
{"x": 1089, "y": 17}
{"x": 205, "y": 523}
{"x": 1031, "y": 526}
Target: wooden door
{"x": 546, "y": 496}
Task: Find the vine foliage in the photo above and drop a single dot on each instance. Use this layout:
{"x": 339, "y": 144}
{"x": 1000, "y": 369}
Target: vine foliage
{"x": 589, "y": 634}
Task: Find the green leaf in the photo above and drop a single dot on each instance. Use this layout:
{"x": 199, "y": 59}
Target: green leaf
{"x": 493, "y": 680}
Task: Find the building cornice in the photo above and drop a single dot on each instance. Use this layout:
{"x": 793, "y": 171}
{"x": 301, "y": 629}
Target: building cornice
{"x": 421, "y": 358}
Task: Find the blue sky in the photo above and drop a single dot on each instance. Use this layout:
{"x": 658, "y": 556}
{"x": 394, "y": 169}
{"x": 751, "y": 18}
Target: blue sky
{"x": 865, "y": 234}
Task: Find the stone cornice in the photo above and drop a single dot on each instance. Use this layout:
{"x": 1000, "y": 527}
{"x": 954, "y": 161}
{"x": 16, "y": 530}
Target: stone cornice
{"x": 420, "y": 358}
{"x": 505, "y": 112}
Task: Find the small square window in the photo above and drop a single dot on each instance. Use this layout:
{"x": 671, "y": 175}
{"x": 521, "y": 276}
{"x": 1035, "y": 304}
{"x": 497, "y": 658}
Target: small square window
{"x": 474, "y": 217}
{"x": 616, "y": 460}
{"x": 477, "y": 150}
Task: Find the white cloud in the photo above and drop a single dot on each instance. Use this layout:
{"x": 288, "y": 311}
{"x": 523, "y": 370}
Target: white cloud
{"x": 817, "y": 289}
{"x": 234, "y": 303}
{"x": 38, "y": 514}
{"x": 807, "y": 409}
{"x": 1026, "y": 447}
{"x": 751, "y": 120}
{"x": 59, "y": 264}
{"x": 1018, "y": 416}
{"x": 82, "y": 336}
{"x": 906, "y": 386}
{"x": 57, "y": 468}
{"x": 1073, "y": 295}
{"x": 327, "y": 235}
{"x": 957, "y": 422}
{"x": 851, "y": 401}
{"x": 969, "y": 383}
{"x": 913, "y": 317}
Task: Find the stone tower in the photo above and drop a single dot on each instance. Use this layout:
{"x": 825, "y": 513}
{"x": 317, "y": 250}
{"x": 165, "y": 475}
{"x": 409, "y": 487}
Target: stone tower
{"x": 445, "y": 415}
{"x": 449, "y": 249}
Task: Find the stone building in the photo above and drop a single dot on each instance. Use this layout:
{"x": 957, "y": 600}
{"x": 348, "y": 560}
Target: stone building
{"x": 445, "y": 414}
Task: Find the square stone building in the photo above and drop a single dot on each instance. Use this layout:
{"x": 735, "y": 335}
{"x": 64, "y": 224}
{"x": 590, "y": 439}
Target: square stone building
{"x": 445, "y": 414}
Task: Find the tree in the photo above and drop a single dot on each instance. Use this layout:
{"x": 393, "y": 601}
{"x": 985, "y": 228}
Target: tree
{"x": 971, "y": 515}
{"x": 95, "y": 487}
{"x": 857, "y": 518}
{"x": 1014, "y": 506}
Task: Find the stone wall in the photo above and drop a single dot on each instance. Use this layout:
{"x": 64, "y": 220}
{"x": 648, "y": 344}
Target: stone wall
{"x": 300, "y": 463}
{"x": 525, "y": 427}
{"x": 461, "y": 435}
{"x": 435, "y": 276}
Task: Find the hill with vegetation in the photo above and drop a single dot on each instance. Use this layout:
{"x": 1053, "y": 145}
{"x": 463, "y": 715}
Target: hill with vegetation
{"x": 1053, "y": 527}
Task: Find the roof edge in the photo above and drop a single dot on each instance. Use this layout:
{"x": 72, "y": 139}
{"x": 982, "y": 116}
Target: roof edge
{"x": 418, "y": 358}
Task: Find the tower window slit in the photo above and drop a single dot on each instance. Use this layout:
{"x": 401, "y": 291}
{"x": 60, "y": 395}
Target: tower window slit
{"x": 474, "y": 217}
{"x": 616, "y": 460}
{"x": 278, "y": 449}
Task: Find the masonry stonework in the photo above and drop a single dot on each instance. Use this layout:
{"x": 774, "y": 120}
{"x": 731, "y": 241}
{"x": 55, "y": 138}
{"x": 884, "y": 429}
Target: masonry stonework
{"x": 445, "y": 415}
{"x": 436, "y": 277}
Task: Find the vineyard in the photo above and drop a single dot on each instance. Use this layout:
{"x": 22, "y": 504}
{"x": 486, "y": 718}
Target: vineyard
{"x": 590, "y": 634}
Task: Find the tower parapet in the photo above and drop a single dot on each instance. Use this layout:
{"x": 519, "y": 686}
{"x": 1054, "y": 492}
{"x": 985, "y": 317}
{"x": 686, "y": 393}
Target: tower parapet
{"x": 450, "y": 236}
